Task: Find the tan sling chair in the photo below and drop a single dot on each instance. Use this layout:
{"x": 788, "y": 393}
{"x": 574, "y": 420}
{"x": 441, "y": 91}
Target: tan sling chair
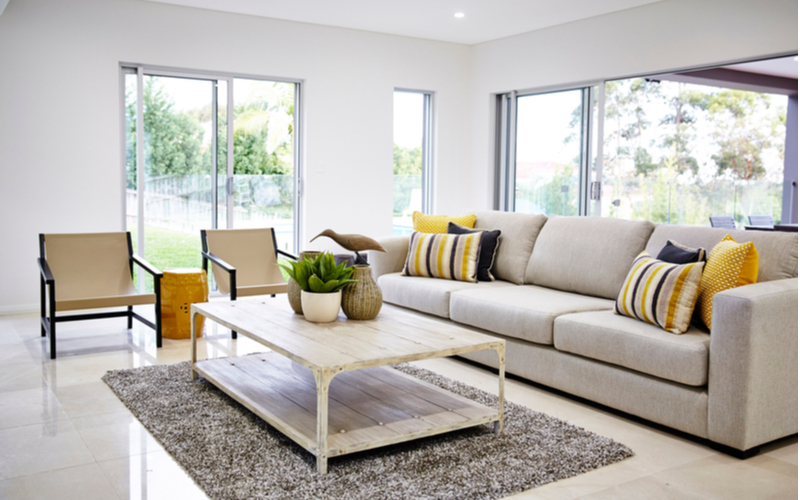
{"x": 92, "y": 271}
{"x": 246, "y": 261}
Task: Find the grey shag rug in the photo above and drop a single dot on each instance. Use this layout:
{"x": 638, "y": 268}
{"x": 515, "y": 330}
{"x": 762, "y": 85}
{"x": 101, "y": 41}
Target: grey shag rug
{"x": 232, "y": 454}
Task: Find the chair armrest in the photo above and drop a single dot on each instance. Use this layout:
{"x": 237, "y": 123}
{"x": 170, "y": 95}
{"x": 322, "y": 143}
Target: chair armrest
{"x": 146, "y": 266}
{"x": 221, "y": 263}
{"x": 44, "y": 269}
{"x": 752, "y": 370}
{"x": 393, "y": 260}
{"x": 287, "y": 254}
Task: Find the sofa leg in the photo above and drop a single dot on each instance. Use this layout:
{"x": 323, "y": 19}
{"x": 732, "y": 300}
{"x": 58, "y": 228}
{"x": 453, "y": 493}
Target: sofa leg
{"x": 736, "y": 453}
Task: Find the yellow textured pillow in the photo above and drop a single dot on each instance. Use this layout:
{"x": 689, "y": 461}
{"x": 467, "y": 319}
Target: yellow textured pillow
{"x": 730, "y": 264}
{"x": 438, "y": 223}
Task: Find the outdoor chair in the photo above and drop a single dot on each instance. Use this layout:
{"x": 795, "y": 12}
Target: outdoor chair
{"x": 92, "y": 271}
{"x": 245, "y": 261}
{"x": 723, "y": 221}
{"x": 761, "y": 220}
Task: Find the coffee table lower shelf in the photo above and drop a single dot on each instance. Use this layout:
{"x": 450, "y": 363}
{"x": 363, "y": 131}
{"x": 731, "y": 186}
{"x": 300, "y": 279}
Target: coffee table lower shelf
{"x": 367, "y": 408}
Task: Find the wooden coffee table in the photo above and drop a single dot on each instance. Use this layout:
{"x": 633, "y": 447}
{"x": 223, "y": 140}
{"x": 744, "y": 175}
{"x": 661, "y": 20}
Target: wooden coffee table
{"x": 369, "y": 405}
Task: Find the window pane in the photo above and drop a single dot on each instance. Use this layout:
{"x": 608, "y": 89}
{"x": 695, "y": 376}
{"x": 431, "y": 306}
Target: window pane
{"x": 263, "y": 164}
{"x": 177, "y": 154}
{"x": 131, "y": 203}
{"x": 679, "y": 153}
{"x": 409, "y": 120}
{"x": 548, "y": 153}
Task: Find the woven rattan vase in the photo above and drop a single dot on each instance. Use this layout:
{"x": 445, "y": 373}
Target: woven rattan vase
{"x": 294, "y": 289}
{"x": 362, "y": 300}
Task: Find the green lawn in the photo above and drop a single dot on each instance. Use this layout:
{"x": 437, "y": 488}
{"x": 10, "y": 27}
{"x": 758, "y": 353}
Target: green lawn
{"x": 165, "y": 248}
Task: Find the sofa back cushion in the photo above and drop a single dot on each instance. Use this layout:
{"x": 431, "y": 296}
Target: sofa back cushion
{"x": 586, "y": 255}
{"x": 777, "y": 251}
{"x": 517, "y": 238}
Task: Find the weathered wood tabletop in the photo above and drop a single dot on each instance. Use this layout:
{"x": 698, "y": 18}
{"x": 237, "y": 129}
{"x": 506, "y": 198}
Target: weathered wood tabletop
{"x": 369, "y": 405}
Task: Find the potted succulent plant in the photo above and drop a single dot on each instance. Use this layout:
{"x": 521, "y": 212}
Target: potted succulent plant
{"x": 321, "y": 282}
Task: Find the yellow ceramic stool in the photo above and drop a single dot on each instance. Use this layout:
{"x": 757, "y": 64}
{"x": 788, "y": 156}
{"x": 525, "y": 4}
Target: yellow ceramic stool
{"x": 180, "y": 288}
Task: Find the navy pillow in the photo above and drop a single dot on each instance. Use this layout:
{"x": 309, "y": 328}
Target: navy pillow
{"x": 489, "y": 242}
{"x": 675, "y": 253}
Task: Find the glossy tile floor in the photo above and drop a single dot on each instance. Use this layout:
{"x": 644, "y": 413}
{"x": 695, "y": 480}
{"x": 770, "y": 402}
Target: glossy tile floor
{"x": 64, "y": 435}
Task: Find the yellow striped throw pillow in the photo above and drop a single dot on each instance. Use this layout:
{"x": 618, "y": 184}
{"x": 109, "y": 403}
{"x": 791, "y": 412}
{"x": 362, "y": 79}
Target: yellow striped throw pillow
{"x": 438, "y": 223}
{"x": 447, "y": 256}
{"x": 660, "y": 293}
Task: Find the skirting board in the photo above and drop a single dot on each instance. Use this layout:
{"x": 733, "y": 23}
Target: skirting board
{"x": 19, "y": 309}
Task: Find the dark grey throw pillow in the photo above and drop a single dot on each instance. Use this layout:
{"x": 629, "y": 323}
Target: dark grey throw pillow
{"x": 675, "y": 253}
{"x": 490, "y": 240}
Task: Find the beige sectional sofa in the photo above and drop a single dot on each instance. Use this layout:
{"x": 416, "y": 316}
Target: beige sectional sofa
{"x": 557, "y": 279}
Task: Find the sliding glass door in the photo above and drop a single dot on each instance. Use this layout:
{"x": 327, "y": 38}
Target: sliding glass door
{"x": 191, "y": 170}
{"x": 263, "y": 158}
{"x": 546, "y": 144}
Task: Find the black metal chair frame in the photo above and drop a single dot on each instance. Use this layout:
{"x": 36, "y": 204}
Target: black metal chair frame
{"x": 208, "y": 256}
{"x": 48, "y": 284}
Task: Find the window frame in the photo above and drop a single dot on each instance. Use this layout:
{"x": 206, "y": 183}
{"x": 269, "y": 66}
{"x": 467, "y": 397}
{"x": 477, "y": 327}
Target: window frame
{"x": 141, "y": 70}
{"x": 590, "y": 191}
{"x": 427, "y": 145}
{"x": 506, "y": 105}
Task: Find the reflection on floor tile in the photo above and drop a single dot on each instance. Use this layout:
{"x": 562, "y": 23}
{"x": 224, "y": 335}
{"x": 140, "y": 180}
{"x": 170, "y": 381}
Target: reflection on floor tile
{"x": 41, "y": 447}
{"x": 31, "y": 406}
{"x": 85, "y": 482}
{"x": 725, "y": 477}
{"x": 64, "y": 434}
{"x": 115, "y": 435}
{"x": 82, "y": 400}
{"x": 649, "y": 488}
{"x": 152, "y": 476}
{"x": 785, "y": 449}
{"x": 22, "y": 376}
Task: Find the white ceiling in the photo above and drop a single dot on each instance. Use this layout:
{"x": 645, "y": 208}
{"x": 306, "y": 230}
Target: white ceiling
{"x": 432, "y": 19}
{"x": 784, "y": 66}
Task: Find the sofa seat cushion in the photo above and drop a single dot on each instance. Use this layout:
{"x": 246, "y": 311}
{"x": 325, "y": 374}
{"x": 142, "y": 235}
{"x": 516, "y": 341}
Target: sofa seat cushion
{"x": 524, "y": 312}
{"x": 626, "y": 342}
{"x": 428, "y": 295}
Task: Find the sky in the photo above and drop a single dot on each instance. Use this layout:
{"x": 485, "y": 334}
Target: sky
{"x": 409, "y": 108}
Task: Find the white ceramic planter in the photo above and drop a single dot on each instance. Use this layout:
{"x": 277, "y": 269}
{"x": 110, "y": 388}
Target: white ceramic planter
{"x": 321, "y": 307}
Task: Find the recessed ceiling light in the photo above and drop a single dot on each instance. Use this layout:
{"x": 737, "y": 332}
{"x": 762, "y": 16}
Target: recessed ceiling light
{"x": 459, "y": 15}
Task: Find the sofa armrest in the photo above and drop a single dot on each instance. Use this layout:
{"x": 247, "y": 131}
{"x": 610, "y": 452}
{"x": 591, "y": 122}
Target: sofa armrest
{"x": 752, "y": 371}
{"x": 393, "y": 260}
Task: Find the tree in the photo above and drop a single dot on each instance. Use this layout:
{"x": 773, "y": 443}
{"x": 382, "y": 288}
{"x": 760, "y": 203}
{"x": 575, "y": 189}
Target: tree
{"x": 680, "y": 138}
{"x": 407, "y": 163}
{"x": 173, "y": 139}
{"x": 740, "y": 134}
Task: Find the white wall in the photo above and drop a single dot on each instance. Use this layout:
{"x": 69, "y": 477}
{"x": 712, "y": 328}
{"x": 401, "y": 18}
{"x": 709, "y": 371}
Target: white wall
{"x": 658, "y": 37}
{"x": 60, "y": 123}
{"x": 59, "y": 99}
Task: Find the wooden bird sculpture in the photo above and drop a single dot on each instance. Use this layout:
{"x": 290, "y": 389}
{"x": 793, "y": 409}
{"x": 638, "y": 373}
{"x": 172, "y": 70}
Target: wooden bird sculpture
{"x": 352, "y": 242}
